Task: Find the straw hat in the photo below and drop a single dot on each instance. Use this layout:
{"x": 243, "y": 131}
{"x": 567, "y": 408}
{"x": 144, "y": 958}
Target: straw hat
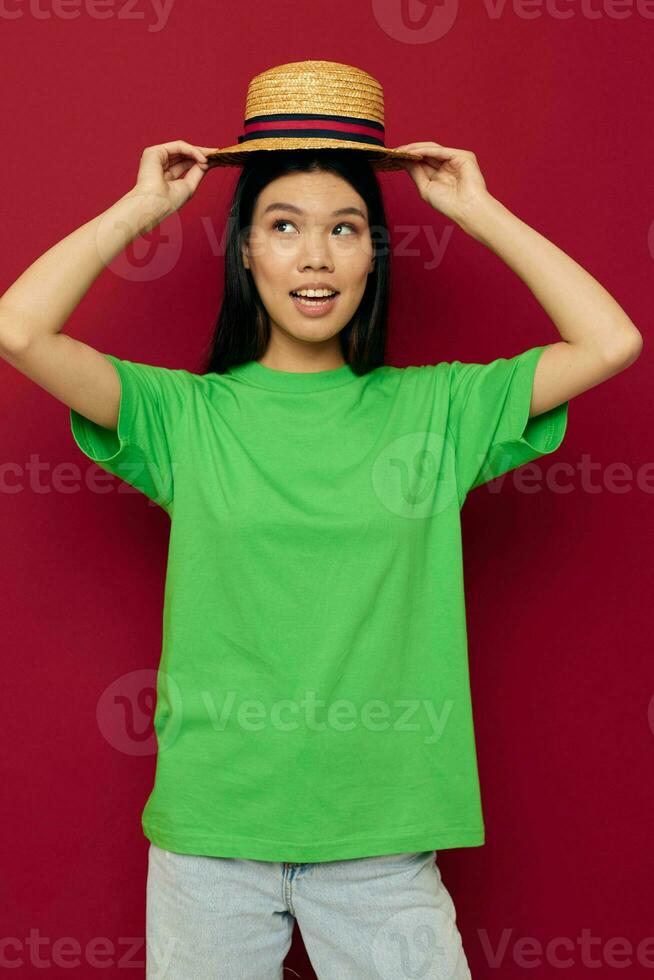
{"x": 309, "y": 105}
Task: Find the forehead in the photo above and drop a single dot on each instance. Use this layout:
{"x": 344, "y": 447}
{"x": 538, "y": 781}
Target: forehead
{"x": 315, "y": 194}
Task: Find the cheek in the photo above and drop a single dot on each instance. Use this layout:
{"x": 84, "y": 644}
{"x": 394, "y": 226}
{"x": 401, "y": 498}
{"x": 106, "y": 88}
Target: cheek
{"x": 272, "y": 275}
{"x": 354, "y": 255}
{"x": 269, "y": 253}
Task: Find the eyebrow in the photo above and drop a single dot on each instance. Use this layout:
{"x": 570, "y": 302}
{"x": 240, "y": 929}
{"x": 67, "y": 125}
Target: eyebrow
{"x": 283, "y": 206}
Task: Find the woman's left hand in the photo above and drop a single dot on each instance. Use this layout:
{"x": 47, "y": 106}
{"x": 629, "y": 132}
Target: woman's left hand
{"x": 448, "y": 179}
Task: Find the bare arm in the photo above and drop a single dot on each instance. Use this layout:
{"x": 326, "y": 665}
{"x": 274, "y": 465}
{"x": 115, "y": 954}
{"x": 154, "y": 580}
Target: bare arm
{"x": 598, "y": 339}
{"x": 36, "y": 306}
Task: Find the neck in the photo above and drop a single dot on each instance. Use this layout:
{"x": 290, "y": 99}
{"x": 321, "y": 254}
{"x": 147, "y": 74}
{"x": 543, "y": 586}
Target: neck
{"x": 286, "y": 353}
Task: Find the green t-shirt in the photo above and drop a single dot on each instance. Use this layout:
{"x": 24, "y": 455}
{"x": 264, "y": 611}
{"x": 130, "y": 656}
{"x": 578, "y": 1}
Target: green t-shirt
{"x": 313, "y": 697}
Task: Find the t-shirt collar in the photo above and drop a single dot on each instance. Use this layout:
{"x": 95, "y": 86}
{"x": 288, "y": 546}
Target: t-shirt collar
{"x": 253, "y": 372}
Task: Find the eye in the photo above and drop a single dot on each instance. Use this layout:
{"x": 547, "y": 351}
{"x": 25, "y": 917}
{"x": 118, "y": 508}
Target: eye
{"x": 282, "y": 221}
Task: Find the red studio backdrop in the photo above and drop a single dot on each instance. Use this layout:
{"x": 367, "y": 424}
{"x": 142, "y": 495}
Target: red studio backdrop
{"x": 556, "y": 101}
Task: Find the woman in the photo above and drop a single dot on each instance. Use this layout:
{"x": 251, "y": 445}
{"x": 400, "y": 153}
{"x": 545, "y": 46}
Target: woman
{"x": 313, "y": 716}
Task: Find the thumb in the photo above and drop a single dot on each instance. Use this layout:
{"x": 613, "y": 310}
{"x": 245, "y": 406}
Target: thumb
{"x": 194, "y": 176}
{"x": 417, "y": 172}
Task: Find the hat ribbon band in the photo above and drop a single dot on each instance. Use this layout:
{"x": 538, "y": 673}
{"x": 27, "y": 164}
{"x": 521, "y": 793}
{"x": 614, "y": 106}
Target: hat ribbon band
{"x": 317, "y": 125}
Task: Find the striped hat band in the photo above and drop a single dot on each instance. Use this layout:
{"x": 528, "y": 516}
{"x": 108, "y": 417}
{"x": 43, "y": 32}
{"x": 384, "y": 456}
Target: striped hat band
{"x": 313, "y": 124}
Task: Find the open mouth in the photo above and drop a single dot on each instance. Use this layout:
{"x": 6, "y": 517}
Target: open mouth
{"x": 314, "y": 305}
{"x": 316, "y": 301}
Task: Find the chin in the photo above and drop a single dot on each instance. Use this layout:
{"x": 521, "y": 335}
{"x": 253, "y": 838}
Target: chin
{"x": 311, "y": 332}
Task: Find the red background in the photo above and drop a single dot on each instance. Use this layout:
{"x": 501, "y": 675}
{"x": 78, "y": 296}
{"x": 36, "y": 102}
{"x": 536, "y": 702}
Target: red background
{"x": 558, "y": 110}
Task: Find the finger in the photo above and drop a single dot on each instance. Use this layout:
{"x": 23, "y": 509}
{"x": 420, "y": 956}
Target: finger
{"x": 435, "y": 149}
{"x": 407, "y": 149}
{"x": 172, "y": 173}
{"x": 181, "y": 146}
{"x": 194, "y": 176}
{"x": 410, "y": 146}
{"x": 418, "y": 175}
{"x": 438, "y": 152}
{"x": 176, "y": 157}
{"x": 166, "y": 155}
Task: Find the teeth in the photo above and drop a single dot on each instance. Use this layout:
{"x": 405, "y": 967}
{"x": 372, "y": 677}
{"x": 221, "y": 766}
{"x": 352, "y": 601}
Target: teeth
{"x": 314, "y": 292}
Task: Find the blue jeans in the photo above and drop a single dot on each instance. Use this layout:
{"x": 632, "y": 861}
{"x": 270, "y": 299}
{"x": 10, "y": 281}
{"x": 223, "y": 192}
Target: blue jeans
{"x": 371, "y": 918}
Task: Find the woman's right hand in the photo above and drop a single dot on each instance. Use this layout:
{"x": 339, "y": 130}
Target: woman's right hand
{"x": 171, "y": 172}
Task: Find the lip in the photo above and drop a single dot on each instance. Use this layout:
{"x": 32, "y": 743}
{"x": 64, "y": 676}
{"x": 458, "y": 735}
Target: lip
{"x": 313, "y": 311}
{"x": 314, "y": 285}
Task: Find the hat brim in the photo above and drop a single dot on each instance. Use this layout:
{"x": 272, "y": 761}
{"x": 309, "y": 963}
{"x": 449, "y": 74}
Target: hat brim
{"x": 380, "y": 157}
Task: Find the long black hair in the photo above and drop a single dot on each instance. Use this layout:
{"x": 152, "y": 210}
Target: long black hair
{"x": 242, "y": 328}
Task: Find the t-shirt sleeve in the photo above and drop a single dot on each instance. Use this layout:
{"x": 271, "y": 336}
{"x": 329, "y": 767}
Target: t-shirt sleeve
{"x": 489, "y": 418}
{"x": 141, "y": 450}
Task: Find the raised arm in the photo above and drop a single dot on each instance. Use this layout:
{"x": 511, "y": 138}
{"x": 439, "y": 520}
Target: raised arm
{"x": 35, "y": 308}
{"x": 598, "y": 338}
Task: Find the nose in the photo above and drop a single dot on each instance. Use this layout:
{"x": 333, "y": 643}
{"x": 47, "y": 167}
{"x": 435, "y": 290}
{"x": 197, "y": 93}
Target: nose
{"x": 315, "y": 252}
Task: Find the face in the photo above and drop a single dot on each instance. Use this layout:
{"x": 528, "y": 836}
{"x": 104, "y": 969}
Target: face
{"x": 306, "y": 228}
